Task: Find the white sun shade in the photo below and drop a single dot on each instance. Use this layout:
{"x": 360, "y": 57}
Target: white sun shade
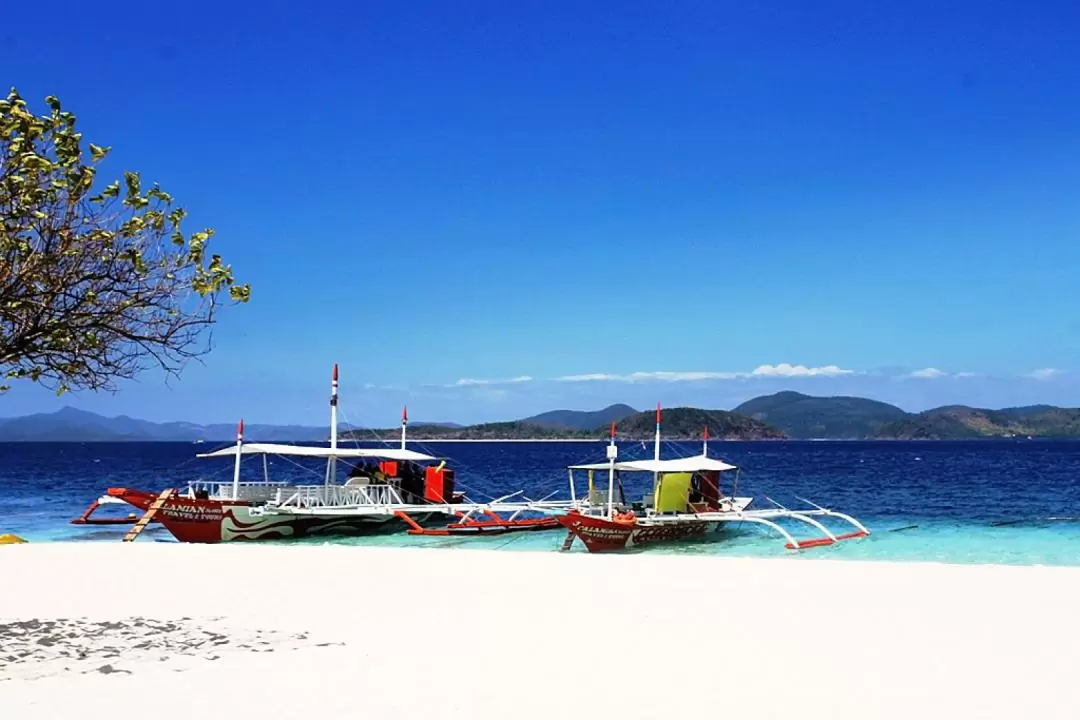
{"x": 699, "y": 463}
{"x": 320, "y": 452}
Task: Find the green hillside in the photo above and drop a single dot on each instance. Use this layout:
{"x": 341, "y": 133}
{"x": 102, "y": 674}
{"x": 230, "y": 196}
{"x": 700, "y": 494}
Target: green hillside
{"x": 690, "y": 423}
{"x": 958, "y": 422}
{"x": 580, "y": 419}
{"x": 804, "y": 417}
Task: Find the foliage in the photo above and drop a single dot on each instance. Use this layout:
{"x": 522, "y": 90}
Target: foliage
{"x": 94, "y": 286}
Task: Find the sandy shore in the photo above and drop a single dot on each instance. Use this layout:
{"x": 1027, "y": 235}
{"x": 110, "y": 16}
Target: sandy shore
{"x": 175, "y": 631}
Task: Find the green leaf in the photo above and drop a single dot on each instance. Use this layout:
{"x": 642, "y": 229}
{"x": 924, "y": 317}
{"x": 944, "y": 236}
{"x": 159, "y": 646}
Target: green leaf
{"x": 132, "y": 180}
{"x": 97, "y": 152}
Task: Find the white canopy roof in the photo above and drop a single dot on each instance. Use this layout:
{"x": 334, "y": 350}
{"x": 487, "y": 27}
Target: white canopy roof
{"x": 320, "y": 452}
{"x": 698, "y": 463}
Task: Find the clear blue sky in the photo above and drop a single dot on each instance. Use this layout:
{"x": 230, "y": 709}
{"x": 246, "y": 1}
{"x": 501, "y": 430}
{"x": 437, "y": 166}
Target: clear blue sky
{"x": 431, "y": 192}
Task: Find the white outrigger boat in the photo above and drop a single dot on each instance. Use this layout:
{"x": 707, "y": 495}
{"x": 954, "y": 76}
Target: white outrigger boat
{"x": 686, "y": 502}
{"x": 386, "y": 489}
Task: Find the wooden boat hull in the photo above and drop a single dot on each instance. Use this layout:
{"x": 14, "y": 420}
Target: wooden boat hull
{"x": 215, "y": 521}
{"x": 601, "y": 535}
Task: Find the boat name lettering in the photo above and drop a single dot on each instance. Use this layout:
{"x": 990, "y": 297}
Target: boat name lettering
{"x": 193, "y": 512}
{"x": 602, "y": 531}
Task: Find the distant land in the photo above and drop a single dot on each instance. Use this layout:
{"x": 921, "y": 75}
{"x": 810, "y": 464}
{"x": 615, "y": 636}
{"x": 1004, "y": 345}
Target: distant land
{"x": 679, "y": 424}
{"x": 783, "y": 415}
{"x": 579, "y": 419}
{"x": 836, "y": 418}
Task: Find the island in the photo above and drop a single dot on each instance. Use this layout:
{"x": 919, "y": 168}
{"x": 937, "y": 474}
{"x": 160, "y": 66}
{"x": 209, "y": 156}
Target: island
{"x": 678, "y": 424}
{"x": 779, "y": 416}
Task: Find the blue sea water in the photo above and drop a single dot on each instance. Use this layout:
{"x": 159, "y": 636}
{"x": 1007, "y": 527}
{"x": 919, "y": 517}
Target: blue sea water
{"x": 1010, "y": 502}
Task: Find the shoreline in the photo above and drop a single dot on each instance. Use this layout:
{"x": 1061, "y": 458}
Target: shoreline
{"x": 811, "y": 556}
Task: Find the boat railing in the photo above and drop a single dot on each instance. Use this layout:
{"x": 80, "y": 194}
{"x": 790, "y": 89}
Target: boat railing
{"x": 261, "y": 491}
{"x": 313, "y": 496}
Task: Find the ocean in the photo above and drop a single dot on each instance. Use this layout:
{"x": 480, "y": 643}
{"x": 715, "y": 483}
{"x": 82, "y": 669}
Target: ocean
{"x": 1006, "y": 502}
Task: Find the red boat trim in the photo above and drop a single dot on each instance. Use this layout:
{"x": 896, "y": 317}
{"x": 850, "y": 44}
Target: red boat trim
{"x": 476, "y": 527}
{"x": 85, "y": 518}
{"x": 822, "y": 542}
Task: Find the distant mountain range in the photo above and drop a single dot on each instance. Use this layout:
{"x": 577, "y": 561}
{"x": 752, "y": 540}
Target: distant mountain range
{"x": 580, "y": 419}
{"x": 806, "y": 417}
{"x": 679, "y": 424}
{"x": 779, "y": 416}
{"x": 958, "y": 422}
{"x": 72, "y": 424}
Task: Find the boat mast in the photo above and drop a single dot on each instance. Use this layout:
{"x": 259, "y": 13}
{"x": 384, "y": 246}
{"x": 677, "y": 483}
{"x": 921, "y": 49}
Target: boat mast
{"x": 656, "y": 448}
{"x": 236, "y": 465}
{"x": 404, "y": 422}
{"x": 331, "y": 466}
{"x": 612, "y": 453}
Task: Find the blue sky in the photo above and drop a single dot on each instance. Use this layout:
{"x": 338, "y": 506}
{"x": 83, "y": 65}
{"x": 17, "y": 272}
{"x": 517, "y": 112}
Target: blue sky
{"x": 434, "y": 192}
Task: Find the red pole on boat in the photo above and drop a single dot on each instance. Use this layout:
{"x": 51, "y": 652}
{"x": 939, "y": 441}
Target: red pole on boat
{"x": 404, "y": 422}
{"x": 705, "y": 443}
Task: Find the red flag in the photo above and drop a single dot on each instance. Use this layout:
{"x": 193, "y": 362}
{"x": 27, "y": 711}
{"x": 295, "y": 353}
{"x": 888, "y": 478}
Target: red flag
{"x": 405, "y": 414}
{"x": 657, "y": 413}
{"x": 240, "y": 429}
{"x": 706, "y": 432}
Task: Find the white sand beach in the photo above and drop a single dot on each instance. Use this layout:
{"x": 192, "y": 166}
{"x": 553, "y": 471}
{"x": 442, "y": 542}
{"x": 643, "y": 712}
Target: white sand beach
{"x": 181, "y": 631}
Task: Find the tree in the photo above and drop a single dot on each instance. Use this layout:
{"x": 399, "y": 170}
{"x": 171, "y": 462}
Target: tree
{"x": 94, "y": 286}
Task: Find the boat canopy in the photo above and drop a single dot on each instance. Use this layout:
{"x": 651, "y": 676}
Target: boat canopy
{"x": 698, "y": 463}
{"x": 401, "y": 454}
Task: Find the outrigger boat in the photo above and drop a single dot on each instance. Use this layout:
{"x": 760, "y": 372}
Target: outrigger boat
{"x": 395, "y": 493}
{"x": 686, "y": 503}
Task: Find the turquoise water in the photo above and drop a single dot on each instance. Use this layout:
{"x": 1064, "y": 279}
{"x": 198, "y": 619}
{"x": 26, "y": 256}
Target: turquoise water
{"x": 1057, "y": 544}
{"x": 929, "y": 502}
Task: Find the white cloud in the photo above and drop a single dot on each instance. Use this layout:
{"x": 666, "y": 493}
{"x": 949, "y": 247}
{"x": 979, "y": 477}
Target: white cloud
{"x": 783, "y": 370}
{"x": 667, "y": 376}
{"x": 468, "y": 382}
{"x": 928, "y": 373}
{"x": 786, "y": 370}
{"x": 1044, "y": 373}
